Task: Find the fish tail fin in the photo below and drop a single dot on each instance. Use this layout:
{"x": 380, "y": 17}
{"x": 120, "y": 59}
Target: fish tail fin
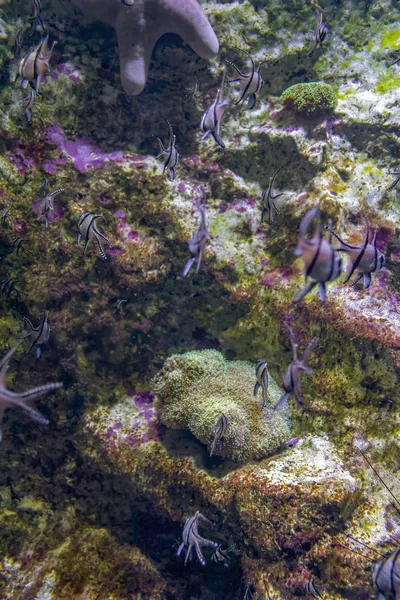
{"x": 188, "y": 266}
{"x": 218, "y": 139}
{"x": 264, "y": 214}
{"x": 367, "y": 280}
{"x": 306, "y": 290}
{"x": 199, "y": 259}
{"x": 256, "y": 388}
{"x": 282, "y": 401}
{"x": 322, "y": 291}
{"x": 172, "y": 173}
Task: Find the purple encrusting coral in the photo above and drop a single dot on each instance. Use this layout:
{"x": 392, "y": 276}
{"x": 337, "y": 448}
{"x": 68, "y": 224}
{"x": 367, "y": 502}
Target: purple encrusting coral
{"x": 70, "y": 71}
{"x": 20, "y": 161}
{"x": 84, "y": 155}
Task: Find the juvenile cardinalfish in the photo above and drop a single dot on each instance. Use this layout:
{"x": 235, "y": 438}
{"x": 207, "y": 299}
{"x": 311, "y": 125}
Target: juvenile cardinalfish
{"x": 321, "y": 31}
{"x": 35, "y": 65}
{"x": 313, "y": 589}
{"x": 46, "y": 205}
{"x": 212, "y": 118}
{"x": 262, "y": 381}
{"x": 386, "y": 577}
{"x": 192, "y": 539}
{"x": 219, "y": 432}
{"x": 38, "y": 335}
{"x": 88, "y": 230}
{"x": 291, "y": 379}
{"x": 321, "y": 261}
{"x": 170, "y": 153}
{"x": 35, "y": 20}
{"x": 268, "y": 200}
{"x": 366, "y": 259}
{"x": 197, "y": 243}
{"x": 250, "y": 84}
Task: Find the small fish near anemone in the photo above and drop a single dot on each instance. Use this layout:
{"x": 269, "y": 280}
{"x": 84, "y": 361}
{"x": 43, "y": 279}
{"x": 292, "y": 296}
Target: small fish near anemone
{"x": 321, "y": 260}
{"x": 35, "y": 65}
{"x": 38, "y": 335}
{"x": 219, "y": 432}
{"x": 366, "y": 258}
{"x": 321, "y": 31}
{"x": 192, "y": 539}
{"x": 23, "y": 399}
{"x": 250, "y": 84}
{"x": 88, "y": 230}
{"x": 262, "y": 381}
{"x": 291, "y": 379}
{"x": 268, "y": 200}
{"x": 197, "y": 243}
{"x": 170, "y": 154}
{"x": 386, "y": 577}
{"x": 46, "y": 205}
{"x": 212, "y": 118}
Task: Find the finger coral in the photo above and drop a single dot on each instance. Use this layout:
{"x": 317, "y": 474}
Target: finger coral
{"x": 195, "y": 388}
{"x": 310, "y": 98}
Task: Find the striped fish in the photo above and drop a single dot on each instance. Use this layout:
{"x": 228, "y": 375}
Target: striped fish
{"x": 396, "y": 175}
{"x": 170, "y": 154}
{"x": 262, "y": 381}
{"x": 313, "y": 589}
{"x": 28, "y": 103}
{"x": 212, "y": 118}
{"x": 322, "y": 262}
{"x": 38, "y": 335}
{"x": 221, "y": 556}
{"x": 35, "y": 65}
{"x": 219, "y": 433}
{"x": 192, "y": 92}
{"x": 35, "y": 20}
{"x": 4, "y": 215}
{"x": 46, "y": 205}
{"x": 386, "y": 577}
{"x": 250, "y": 84}
{"x": 88, "y": 230}
{"x": 8, "y": 286}
{"x": 291, "y": 379}
{"x": 17, "y": 244}
{"x": 22, "y": 400}
{"x": 366, "y": 259}
{"x": 197, "y": 243}
{"x": 321, "y": 31}
{"x": 268, "y": 200}
{"x": 192, "y": 539}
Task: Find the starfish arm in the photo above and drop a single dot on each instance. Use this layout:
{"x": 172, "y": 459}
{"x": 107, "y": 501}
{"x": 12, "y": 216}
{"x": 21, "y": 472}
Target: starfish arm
{"x": 190, "y": 22}
{"x": 34, "y": 393}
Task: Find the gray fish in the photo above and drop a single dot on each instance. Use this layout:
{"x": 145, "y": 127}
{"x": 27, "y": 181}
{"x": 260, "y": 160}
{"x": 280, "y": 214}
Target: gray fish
{"x": 365, "y": 258}
{"x": 88, "y": 230}
{"x": 321, "y": 31}
{"x": 268, "y": 200}
{"x": 192, "y": 539}
{"x": 262, "y": 381}
{"x": 8, "y": 286}
{"x": 38, "y": 335}
{"x": 34, "y": 65}
{"x": 192, "y": 92}
{"x": 197, "y": 243}
{"x": 170, "y": 154}
{"x": 221, "y": 556}
{"x": 386, "y": 577}
{"x": 396, "y": 175}
{"x": 119, "y": 308}
{"x": 322, "y": 262}
{"x": 18, "y": 40}
{"x": 17, "y": 244}
{"x": 23, "y": 399}
{"x": 313, "y": 589}
{"x": 212, "y": 118}
{"x": 35, "y": 20}
{"x": 4, "y": 215}
{"x": 250, "y": 84}
{"x": 46, "y": 205}
{"x": 219, "y": 432}
{"x": 291, "y": 379}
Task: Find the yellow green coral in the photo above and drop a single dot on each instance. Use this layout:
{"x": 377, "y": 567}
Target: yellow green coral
{"x": 310, "y": 98}
{"x": 196, "y": 388}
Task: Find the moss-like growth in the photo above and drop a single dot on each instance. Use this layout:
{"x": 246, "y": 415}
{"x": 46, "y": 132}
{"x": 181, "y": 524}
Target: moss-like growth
{"x": 196, "y": 388}
{"x": 310, "y": 98}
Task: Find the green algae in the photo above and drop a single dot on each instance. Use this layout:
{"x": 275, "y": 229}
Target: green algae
{"x": 387, "y": 82}
{"x": 391, "y": 39}
{"x": 310, "y": 98}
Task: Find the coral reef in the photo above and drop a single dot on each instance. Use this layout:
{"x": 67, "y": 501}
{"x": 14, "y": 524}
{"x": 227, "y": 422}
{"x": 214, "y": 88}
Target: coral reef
{"x": 196, "y": 388}
{"x": 310, "y": 98}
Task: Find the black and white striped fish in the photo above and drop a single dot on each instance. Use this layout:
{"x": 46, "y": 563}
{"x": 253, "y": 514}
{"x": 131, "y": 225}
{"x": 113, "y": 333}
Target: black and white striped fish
{"x": 29, "y": 101}
{"x": 250, "y": 84}
{"x": 268, "y": 200}
{"x": 197, "y": 243}
{"x": 212, "y": 118}
{"x": 221, "y": 556}
{"x": 321, "y": 31}
{"x": 366, "y": 259}
{"x": 322, "y": 261}
{"x": 219, "y": 432}
{"x": 396, "y": 175}
{"x": 35, "y": 20}
{"x": 313, "y": 589}
{"x": 386, "y": 577}
{"x": 170, "y": 154}
{"x": 38, "y": 335}
{"x": 17, "y": 244}
{"x": 46, "y": 205}
{"x": 34, "y": 65}
{"x": 262, "y": 381}
{"x": 8, "y": 286}
{"x": 88, "y": 230}
{"x": 192, "y": 539}
{"x": 192, "y": 92}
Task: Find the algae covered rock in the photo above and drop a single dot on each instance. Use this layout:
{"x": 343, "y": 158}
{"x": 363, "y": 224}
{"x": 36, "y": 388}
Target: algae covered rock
{"x": 196, "y": 388}
{"x": 310, "y": 98}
